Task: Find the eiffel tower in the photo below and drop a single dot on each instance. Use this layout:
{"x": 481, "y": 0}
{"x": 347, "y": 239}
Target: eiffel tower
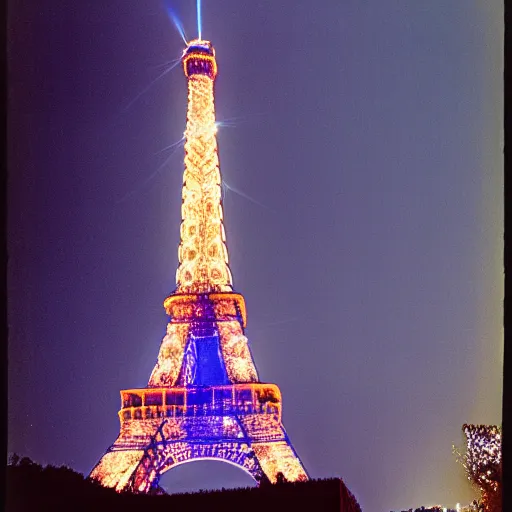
{"x": 204, "y": 399}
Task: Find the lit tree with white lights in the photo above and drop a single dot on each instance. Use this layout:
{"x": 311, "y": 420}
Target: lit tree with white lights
{"x": 483, "y": 463}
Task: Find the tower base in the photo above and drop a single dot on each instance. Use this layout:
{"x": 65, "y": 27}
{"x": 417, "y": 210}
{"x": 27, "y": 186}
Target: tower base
{"x": 164, "y": 427}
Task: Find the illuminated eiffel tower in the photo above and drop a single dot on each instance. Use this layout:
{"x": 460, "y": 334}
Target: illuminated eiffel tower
{"x": 204, "y": 399}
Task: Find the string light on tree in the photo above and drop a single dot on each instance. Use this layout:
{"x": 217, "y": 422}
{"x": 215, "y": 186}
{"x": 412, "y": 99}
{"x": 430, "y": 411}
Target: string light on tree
{"x": 482, "y": 462}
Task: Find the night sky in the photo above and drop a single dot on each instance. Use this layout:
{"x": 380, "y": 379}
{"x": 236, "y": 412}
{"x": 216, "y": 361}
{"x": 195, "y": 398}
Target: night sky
{"x": 363, "y": 155}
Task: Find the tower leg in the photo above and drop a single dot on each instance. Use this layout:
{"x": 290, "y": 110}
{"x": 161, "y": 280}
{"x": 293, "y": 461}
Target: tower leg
{"x": 116, "y": 468}
{"x": 279, "y": 460}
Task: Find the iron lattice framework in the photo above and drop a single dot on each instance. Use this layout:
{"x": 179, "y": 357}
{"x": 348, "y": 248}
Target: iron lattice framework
{"x": 204, "y": 399}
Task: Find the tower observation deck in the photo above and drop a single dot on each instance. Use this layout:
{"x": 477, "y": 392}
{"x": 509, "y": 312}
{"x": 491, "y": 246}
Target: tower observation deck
{"x": 204, "y": 399}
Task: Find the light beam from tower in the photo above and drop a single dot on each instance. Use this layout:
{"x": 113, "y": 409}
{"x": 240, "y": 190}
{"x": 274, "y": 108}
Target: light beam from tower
{"x": 199, "y": 21}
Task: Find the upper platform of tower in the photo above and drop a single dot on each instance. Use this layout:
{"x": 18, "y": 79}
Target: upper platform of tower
{"x": 199, "y": 59}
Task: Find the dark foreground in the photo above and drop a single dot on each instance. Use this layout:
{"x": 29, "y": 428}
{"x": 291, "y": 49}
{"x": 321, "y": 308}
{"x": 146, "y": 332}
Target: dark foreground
{"x": 32, "y": 487}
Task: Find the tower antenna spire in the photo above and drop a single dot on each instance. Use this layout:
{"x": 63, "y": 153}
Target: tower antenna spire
{"x": 199, "y": 21}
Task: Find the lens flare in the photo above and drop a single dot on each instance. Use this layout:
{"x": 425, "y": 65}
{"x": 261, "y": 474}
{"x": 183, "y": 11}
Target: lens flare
{"x": 177, "y": 23}
{"x": 245, "y": 196}
{"x": 170, "y": 68}
{"x": 173, "y": 147}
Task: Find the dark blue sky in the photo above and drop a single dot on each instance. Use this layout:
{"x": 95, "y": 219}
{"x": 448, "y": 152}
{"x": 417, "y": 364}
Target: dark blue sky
{"x": 369, "y": 137}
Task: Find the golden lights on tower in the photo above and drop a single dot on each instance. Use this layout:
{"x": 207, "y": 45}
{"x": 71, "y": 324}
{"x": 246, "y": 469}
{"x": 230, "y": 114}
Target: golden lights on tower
{"x": 203, "y": 256}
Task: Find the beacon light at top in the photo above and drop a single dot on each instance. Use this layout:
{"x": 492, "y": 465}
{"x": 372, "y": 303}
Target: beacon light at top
{"x": 199, "y": 59}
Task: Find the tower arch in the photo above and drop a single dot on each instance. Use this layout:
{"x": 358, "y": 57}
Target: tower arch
{"x": 205, "y": 475}
{"x": 164, "y": 457}
{"x": 167, "y": 470}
